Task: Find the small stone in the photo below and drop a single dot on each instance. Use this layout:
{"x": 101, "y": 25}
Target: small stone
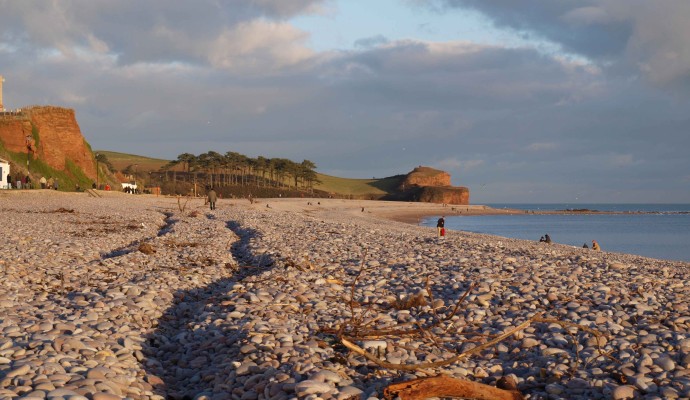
{"x": 665, "y": 363}
{"x": 347, "y": 392}
{"x": 554, "y": 388}
{"x": 552, "y": 351}
{"x": 379, "y": 345}
{"x": 326, "y": 376}
{"x": 625, "y": 392}
{"x": 616, "y": 266}
{"x": 23, "y": 370}
{"x": 312, "y": 387}
{"x": 243, "y": 368}
{"x": 105, "y": 396}
{"x": 669, "y": 393}
{"x": 528, "y": 343}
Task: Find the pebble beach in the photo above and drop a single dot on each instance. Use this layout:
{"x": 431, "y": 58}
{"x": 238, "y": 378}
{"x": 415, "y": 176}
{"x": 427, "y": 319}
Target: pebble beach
{"x": 145, "y": 297}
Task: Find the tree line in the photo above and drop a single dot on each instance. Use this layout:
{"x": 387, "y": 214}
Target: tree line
{"x": 233, "y": 168}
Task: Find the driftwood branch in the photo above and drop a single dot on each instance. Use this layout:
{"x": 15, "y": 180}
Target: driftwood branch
{"x": 445, "y": 386}
{"x": 436, "y": 364}
{"x": 180, "y": 205}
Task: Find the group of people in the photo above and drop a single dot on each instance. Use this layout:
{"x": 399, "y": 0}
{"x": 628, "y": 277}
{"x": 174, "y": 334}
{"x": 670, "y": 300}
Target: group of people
{"x": 19, "y": 183}
{"x": 49, "y": 183}
{"x": 595, "y": 245}
{"x": 547, "y": 239}
{"x": 26, "y": 183}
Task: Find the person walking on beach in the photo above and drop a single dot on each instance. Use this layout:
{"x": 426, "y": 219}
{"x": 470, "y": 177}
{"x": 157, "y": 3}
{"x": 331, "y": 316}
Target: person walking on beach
{"x": 547, "y": 238}
{"x": 595, "y": 245}
{"x": 212, "y": 197}
{"x": 441, "y": 226}
{"x": 43, "y": 182}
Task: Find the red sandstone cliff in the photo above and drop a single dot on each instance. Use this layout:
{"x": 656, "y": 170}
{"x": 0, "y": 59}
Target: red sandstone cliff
{"x": 58, "y": 137}
{"x": 426, "y": 176}
{"x": 433, "y": 186}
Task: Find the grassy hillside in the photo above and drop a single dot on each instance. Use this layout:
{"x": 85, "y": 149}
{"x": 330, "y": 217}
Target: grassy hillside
{"x": 329, "y": 184}
{"x": 121, "y": 161}
{"x": 357, "y": 187}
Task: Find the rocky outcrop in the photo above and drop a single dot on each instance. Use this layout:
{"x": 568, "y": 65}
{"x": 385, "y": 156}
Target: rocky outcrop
{"x": 431, "y": 185}
{"x": 426, "y": 176}
{"x": 50, "y": 134}
{"x": 445, "y": 194}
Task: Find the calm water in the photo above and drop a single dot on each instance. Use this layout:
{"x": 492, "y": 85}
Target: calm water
{"x": 662, "y": 232}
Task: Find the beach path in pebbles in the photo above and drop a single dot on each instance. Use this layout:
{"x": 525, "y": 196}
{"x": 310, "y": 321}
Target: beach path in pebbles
{"x": 132, "y": 297}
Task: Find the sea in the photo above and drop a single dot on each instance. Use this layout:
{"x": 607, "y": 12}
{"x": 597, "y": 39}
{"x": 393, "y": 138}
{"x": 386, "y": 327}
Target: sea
{"x": 652, "y": 230}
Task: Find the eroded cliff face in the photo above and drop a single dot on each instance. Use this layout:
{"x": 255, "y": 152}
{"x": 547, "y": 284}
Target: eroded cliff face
{"x": 431, "y": 185}
{"x": 445, "y": 194}
{"x": 13, "y": 132}
{"x": 59, "y": 138}
{"x": 426, "y": 176}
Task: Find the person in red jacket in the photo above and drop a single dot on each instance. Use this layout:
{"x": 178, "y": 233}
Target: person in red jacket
{"x": 441, "y": 226}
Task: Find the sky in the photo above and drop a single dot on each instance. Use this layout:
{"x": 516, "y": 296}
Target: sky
{"x": 522, "y": 101}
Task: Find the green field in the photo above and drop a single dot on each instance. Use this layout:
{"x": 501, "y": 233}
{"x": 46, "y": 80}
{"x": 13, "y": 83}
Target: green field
{"x": 357, "y": 187}
{"x": 121, "y": 161}
{"x": 329, "y": 184}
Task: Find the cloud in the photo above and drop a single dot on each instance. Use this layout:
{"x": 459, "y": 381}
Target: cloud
{"x": 159, "y": 31}
{"x": 258, "y": 45}
{"x": 589, "y": 15}
{"x": 633, "y": 36}
{"x": 370, "y": 42}
{"x": 284, "y": 9}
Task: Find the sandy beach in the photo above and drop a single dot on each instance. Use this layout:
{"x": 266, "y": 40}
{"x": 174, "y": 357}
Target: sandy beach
{"x": 408, "y": 212}
{"x": 145, "y": 297}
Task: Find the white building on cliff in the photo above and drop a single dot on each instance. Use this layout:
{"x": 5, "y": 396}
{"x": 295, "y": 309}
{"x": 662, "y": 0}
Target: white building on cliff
{"x": 4, "y": 171}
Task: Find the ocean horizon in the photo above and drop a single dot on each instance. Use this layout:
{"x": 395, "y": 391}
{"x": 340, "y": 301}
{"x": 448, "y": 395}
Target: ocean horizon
{"x": 659, "y": 231}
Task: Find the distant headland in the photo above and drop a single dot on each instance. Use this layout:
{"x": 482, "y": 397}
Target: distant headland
{"x": 46, "y": 141}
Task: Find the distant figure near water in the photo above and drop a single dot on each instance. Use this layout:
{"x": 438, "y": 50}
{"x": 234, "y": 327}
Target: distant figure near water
{"x": 595, "y": 245}
{"x": 547, "y": 238}
{"x": 440, "y": 226}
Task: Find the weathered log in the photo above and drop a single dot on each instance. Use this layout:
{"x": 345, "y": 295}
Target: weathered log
{"x": 445, "y": 386}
